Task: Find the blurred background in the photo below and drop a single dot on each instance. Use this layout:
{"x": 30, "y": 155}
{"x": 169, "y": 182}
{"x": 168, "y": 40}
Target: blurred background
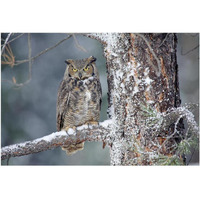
{"x": 29, "y": 111}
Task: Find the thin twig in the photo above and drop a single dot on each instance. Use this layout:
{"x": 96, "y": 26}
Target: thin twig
{"x": 5, "y": 43}
{"x": 29, "y": 56}
{"x": 30, "y": 59}
{"x": 15, "y": 38}
{"x": 77, "y": 44}
{"x": 42, "y": 52}
{"x": 29, "y": 63}
{"x": 30, "y": 66}
{"x": 8, "y": 56}
{"x": 158, "y": 68}
{"x": 193, "y": 34}
{"x": 189, "y": 50}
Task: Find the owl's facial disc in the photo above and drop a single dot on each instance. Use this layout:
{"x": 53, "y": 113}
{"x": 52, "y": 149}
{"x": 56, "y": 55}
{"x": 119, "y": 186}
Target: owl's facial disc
{"x": 87, "y": 71}
{"x": 81, "y": 69}
{"x": 73, "y": 71}
{"x": 80, "y": 75}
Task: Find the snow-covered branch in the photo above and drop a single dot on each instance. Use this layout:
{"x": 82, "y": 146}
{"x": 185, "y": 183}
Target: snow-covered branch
{"x": 82, "y": 133}
{"x": 181, "y": 112}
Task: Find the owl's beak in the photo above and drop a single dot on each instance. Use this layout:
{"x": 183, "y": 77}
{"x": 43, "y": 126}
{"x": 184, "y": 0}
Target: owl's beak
{"x": 80, "y": 75}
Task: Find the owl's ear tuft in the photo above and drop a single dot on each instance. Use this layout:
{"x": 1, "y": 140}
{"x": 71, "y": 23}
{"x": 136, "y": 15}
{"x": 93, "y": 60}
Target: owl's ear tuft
{"x": 92, "y": 59}
{"x": 68, "y": 61}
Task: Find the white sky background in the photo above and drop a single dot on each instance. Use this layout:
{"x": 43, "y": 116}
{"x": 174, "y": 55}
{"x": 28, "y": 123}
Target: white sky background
{"x": 92, "y": 182}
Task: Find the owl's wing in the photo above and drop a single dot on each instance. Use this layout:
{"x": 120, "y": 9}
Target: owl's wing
{"x": 100, "y": 91}
{"x": 62, "y": 104}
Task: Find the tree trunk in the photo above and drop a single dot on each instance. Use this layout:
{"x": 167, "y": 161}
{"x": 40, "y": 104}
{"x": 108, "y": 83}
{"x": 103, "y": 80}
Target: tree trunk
{"x": 142, "y": 82}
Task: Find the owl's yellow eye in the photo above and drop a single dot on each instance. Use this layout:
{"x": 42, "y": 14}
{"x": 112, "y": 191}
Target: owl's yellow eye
{"x": 86, "y": 68}
{"x": 75, "y": 70}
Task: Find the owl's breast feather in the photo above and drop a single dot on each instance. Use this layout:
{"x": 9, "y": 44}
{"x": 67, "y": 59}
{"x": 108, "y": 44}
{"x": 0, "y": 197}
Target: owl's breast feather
{"x": 88, "y": 95}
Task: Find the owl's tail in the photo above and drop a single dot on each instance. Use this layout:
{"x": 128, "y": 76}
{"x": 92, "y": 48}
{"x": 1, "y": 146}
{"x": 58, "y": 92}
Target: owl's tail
{"x": 73, "y": 148}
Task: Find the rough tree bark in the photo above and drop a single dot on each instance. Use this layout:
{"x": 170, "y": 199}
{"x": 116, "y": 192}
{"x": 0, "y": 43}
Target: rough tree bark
{"x": 145, "y": 127}
{"x": 142, "y": 72}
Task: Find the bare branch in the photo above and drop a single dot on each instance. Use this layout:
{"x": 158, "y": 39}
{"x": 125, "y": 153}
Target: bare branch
{"x": 78, "y": 45}
{"x": 30, "y": 65}
{"x": 12, "y": 61}
{"x": 9, "y": 58}
{"x": 29, "y": 55}
{"x": 15, "y": 38}
{"x": 82, "y": 133}
{"x": 43, "y": 52}
{"x": 5, "y": 43}
{"x": 192, "y": 34}
{"x": 187, "y": 52}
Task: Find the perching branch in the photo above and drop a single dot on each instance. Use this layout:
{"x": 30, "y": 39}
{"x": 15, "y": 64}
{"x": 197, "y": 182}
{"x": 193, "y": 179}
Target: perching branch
{"x": 82, "y": 133}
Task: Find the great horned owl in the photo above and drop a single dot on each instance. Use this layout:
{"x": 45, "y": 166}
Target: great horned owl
{"x": 79, "y": 98}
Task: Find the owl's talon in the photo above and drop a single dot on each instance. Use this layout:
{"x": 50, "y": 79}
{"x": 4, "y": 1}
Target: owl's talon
{"x": 94, "y": 123}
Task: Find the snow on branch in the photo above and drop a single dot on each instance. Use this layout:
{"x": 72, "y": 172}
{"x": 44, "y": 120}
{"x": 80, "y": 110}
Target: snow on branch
{"x": 182, "y": 112}
{"x": 82, "y": 133}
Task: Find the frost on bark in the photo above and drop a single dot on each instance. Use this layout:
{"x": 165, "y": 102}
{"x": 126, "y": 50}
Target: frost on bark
{"x": 142, "y": 83}
{"x": 57, "y": 139}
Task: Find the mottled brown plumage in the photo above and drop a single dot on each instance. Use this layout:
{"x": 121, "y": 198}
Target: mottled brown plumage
{"x": 79, "y": 97}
